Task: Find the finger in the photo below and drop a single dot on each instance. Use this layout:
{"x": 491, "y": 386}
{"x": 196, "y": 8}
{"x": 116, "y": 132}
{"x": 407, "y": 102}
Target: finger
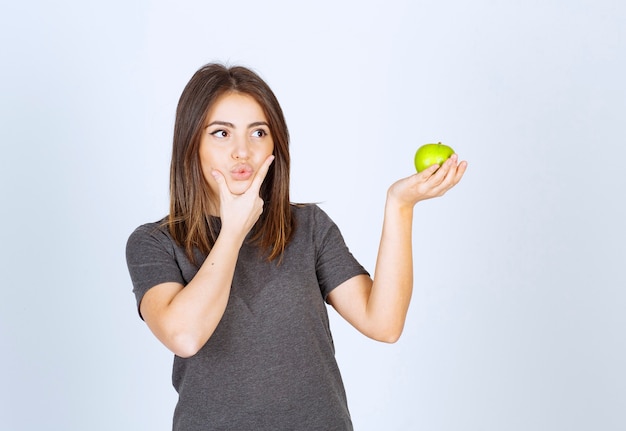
{"x": 222, "y": 186}
{"x": 261, "y": 174}
{"x": 452, "y": 166}
{"x": 454, "y": 174}
{"x": 429, "y": 171}
{"x": 461, "y": 170}
{"x": 441, "y": 173}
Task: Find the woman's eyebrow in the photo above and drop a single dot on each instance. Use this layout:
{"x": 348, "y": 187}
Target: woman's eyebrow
{"x": 258, "y": 123}
{"x": 220, "y": 123}
{"x": 232, "y": 126}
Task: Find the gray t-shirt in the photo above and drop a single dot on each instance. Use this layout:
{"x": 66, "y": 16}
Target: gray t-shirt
{"x": 270, "y": 364}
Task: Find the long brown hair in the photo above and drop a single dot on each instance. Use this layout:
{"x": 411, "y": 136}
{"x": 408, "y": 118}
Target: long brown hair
{"x": 189, "y": 221}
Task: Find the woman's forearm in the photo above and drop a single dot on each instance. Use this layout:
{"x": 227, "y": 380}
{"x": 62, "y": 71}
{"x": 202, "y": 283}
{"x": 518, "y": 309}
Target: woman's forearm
{"x": 184, "y": 319}
{"x": 393, "y": 277}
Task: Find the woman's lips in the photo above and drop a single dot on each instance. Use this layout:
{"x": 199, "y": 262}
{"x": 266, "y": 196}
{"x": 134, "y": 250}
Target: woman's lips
{"x": 241, "y": 172}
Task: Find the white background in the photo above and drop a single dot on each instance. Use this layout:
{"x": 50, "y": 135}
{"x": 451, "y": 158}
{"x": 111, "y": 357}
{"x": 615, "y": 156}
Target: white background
{"x": 518, "y": 318}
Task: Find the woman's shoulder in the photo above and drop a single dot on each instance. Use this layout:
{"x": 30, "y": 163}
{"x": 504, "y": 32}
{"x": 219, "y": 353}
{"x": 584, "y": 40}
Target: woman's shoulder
{"x": 153, "y": 226}
{"x": 311, "y": 214}
{"x": 151, "y": 231}
{"x": 306, "y": 210}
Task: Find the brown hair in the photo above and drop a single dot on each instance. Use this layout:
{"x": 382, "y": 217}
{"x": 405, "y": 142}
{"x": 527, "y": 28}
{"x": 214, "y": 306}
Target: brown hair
{"x": 189, "y": 221}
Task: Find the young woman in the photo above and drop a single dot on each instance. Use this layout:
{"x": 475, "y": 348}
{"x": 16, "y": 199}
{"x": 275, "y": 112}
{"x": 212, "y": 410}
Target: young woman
{"x": 235, "y": 279}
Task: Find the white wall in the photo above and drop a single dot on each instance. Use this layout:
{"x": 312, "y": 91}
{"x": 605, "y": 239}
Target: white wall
{"x": 517, "y": 321}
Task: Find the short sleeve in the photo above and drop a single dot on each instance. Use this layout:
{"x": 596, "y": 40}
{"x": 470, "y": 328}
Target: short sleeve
{"x": 334, "y": 261}
{"x": 151, "y": 259}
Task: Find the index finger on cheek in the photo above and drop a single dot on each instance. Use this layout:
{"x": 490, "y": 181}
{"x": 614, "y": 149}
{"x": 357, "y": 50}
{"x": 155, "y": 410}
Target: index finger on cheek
{"x": 262, "y": 173}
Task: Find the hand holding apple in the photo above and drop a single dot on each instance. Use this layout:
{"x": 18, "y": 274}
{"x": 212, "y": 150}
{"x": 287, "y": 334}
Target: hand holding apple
{"x": 440, "y": 174}
{"x": 430, "y": 154}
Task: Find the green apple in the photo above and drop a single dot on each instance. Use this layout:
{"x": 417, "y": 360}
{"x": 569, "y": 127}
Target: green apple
{"x": 430, "y": 154}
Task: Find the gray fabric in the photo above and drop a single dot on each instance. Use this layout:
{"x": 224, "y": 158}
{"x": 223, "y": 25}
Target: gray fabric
{"x": 270, "y": 364}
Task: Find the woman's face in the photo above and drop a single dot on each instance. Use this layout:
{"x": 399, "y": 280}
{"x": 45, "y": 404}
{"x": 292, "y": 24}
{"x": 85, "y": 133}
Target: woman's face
{"x": 236, "y": 140}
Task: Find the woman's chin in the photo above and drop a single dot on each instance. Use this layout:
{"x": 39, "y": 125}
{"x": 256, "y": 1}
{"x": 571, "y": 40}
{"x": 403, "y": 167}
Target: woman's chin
{"x": 239, "y": 187}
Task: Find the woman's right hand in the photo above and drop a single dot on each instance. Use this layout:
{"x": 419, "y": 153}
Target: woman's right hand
{"x": 240, "y": 212}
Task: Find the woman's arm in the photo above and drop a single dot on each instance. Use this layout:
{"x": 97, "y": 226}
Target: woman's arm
{"x": 183, "y": 318}
{"x": 378, "y": 307}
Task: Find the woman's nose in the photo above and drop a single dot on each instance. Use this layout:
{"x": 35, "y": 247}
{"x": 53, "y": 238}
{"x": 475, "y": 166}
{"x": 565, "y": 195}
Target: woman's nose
{"x": 241, "y": 149}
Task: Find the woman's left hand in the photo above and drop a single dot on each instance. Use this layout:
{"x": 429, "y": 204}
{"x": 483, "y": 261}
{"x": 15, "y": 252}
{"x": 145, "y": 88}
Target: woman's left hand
{"x": 432, "y": 182}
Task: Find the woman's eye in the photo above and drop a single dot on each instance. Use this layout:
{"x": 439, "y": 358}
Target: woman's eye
{"x": 259, "y": 133}
{"x": 219, "y": 133}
